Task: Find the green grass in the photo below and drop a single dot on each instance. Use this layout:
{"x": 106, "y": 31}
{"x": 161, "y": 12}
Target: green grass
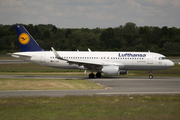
{"x": 7, "y": 57}
{"x": 35, "y": 69}
{"x": 9, "y": 84}
{"x": 155, "y": 107}
{"x": 30, "y": 67}
{"x": 173, "y": 57}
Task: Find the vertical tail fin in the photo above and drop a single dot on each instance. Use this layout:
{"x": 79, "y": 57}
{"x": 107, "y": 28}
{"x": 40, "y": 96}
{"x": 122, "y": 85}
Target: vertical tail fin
{"x": 25, "y": 40}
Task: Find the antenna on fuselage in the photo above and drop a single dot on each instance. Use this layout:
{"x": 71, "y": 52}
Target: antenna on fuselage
{"x": 149, "y": 51}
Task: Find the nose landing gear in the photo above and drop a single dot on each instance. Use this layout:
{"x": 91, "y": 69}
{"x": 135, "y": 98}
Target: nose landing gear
{"x": 150, "y": 75}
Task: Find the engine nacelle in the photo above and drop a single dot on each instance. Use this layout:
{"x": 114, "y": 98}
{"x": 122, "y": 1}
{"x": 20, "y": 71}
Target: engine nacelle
{"x": 111, "y": 70}
{"x": 81, "y": 67}
{"x": 123, "y": 72}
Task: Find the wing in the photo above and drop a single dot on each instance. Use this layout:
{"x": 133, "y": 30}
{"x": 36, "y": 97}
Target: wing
{"x": 87, "y": 64}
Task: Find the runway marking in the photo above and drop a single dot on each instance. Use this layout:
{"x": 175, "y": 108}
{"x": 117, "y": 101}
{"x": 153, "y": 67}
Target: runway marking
{"x": 126, "y": 93}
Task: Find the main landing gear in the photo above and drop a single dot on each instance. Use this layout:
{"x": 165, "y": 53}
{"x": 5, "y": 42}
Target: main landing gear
{"x": 91, "y": 75}
{"x": 150, "y": 75}
{"x": 98, "y": 75}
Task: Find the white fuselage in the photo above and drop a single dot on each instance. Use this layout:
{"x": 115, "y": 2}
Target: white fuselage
{"x": 125, "y": 60}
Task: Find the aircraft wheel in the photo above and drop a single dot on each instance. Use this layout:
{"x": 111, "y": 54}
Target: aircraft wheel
{"x": 98, "y": 74}
{"x": 91, "y": 75}
{"x": 150, "y": 77}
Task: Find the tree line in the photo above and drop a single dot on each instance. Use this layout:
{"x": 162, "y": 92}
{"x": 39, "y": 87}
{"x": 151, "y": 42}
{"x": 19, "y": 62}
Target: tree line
{"x": 128, "y": 37}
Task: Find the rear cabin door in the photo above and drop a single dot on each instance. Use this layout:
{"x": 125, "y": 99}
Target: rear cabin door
{"x": 43, "y": 59}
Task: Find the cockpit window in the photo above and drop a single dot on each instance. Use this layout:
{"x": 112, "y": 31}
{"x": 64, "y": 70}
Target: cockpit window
{"x": 162, "y": 58}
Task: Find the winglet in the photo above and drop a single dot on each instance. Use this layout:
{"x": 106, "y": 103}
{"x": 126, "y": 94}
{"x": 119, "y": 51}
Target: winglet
{"x": 56, "y": 54}
{"x": 89, "y": 50}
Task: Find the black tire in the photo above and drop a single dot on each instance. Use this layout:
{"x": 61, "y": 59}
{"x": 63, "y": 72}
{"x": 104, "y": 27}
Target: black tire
{"x": 150, "y": 77}
{"x": 91, "y": 75}
{"x": 98, "y": 74}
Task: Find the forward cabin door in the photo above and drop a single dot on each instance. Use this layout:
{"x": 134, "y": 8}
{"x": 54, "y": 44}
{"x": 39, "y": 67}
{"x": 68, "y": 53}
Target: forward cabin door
{"x": 150, "y": 59}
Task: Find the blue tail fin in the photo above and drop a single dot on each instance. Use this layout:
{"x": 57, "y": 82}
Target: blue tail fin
{"x": 25, "y": 40}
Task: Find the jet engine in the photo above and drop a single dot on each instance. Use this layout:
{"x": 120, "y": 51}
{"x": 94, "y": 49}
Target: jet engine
{"x": 111, "y": 70}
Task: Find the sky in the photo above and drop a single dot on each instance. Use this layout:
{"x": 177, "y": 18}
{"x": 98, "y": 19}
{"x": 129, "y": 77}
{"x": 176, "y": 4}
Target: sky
{"x": 91, "y": 13}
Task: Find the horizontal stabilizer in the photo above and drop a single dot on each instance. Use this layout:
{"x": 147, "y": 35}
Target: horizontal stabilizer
{"x": 17, "y": 55}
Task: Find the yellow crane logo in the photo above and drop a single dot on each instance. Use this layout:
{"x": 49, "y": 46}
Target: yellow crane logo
{"x": 24, "y": 38}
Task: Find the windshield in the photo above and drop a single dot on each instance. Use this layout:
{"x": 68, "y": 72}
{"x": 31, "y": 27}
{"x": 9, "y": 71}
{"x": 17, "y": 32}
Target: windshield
{"x": 162, "y": 58}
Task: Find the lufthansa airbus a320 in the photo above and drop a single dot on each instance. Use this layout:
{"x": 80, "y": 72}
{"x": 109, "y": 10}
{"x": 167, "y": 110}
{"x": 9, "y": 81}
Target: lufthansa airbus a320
{"x": 108, "y": 63}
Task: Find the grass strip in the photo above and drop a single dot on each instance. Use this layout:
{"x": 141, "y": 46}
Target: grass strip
{"x": 135, "y": 107}
{"x": 8, "y": 84}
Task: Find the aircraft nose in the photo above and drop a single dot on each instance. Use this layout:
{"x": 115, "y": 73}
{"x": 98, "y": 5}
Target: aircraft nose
{"x": 171, "y": 64}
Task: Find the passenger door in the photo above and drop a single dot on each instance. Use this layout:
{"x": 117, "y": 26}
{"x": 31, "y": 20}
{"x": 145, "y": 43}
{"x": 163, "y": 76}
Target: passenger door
{"x": 150, "y": 59}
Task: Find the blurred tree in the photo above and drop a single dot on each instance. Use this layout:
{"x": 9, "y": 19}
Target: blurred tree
{"x": 130, "y": 28}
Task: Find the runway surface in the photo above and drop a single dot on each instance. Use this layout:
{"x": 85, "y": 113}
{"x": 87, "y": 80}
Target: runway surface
{"x": 12, "y": 62}
{"x": 114, "y": 86}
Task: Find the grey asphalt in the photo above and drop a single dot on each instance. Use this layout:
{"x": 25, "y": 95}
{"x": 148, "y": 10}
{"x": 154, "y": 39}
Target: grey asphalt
{"x": 12, "y": 61}
{"x": 114, "y": 86}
